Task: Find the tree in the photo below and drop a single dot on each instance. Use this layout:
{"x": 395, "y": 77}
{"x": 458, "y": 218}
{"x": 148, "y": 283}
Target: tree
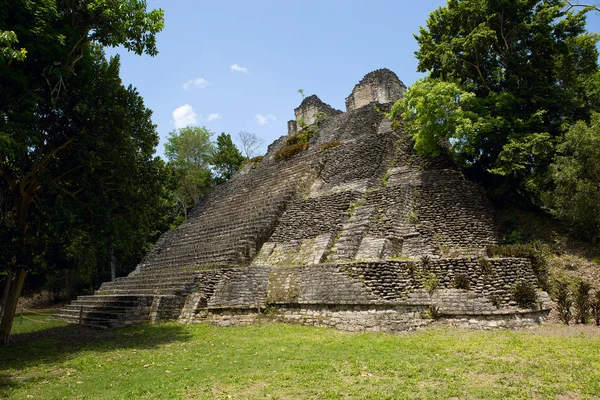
{"x": 250, "y": 143}
{"x": 227, "y": 158}
{"x": 504, "y": 77}
{"x": 575, "y": 172}
{"x": 189, "y": 152}
{"x": 47, "y": 130}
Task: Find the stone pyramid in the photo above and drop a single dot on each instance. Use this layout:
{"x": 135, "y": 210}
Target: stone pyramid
{"x": 353, "y": 231}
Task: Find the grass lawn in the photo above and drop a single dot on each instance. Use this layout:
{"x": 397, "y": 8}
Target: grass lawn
{"x": 51, "y": 360}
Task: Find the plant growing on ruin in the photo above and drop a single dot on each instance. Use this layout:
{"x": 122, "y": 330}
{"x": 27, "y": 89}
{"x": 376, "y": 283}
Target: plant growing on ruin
{"x": 461, "y": 281}
{"x": 562, "y": 296}
{"x": 433, "y": 312}
{"x": 425, "y": 260}
{"x": 485, "y": 265}
{"x": 413, "y": 217}
{"x": 581, "y": 300}
{"x": 290, "y": 150}
{"x": 524, "y": 294}
{"x": 302, "y": 123}
{"x": 330, "y": 145}
{"x": 301, "y": 92}
{"x": 496, "y": 302}
{"x": 320, "y": 117}
{"x": 432, "y": 282}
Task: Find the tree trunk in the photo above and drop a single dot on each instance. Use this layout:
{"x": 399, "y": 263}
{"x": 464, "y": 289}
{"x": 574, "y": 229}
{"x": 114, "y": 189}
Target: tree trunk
{"x": 11, "y": 305}
{"x": 113, "y": 266}
{"x": 7, "y": 285}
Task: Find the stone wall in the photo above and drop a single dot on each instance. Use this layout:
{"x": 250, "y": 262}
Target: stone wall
{"x": 307, "y": 112}
{"x": 381, "y": 86}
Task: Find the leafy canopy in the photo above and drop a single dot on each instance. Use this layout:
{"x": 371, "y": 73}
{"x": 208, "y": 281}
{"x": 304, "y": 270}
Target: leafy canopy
{"x": 189, "y": 151}
{"x": 504, "y": 78}
{"x": 226, "y": 158}
{"x": 575, "y": 171}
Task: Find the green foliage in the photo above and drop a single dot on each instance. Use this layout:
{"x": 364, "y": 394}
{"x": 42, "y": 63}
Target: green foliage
{"x": 461, "y": 281}
{"x": 432, "y": 282}
{"x": 189, "y": 151}
{"x": 7, "y": 53}
{"x": 581, "y": 300}
{"x": 301, "y": 92}
{"x": 525, "y": 294}
{"x": 433, "y": 312}
{"x": 575, "y": 198}
{"x": 226, "y": 158}
{"x": 76, "y": 146}
{"x": 413, "y": 217}
{"x": 297, "y": 143}
{"x": 320, "y": 117}
{"x": 562, "y": 296}
{"x": 497, "y": 98}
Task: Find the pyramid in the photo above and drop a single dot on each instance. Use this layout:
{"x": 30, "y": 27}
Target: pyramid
{"x": 350, "y": 229}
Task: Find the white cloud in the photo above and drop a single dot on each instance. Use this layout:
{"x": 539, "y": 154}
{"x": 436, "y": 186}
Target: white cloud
{"x": 214, "y": 116}
{"x": 237, "y": 68}
{"x": 199, "y": 82}
{"x": 262, "y": 119}
{"x": 184, "y": 116}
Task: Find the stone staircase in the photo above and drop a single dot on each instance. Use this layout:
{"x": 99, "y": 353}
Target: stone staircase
{"x": 150, "y": 294}
{"x": 353, "y": 232}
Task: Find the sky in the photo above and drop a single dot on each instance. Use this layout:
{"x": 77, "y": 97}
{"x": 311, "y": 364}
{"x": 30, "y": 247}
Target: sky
{"x": 236, "y": 66}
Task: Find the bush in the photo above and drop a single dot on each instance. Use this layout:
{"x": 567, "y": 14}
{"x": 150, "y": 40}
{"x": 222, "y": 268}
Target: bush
{"x": 485, "y": 265}
{"x": 562, "y": 295}
{"x": 581, "y": 297}
{"x": 255, "y": 160}
{"x": 595, "y": 307}
{"x": 525, "y": 294}
{"x": 431, "y": 283}
{"x": 332, "y": 144}
{"x": 461, "y": 281}
{"x": 290, "y": 150}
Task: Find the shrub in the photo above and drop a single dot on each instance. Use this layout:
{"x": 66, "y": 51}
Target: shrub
{"x": 595, "y": 307}
{"x": 431, "y": 283}
{"x": 425, "y": 260}
{"x": 461, "y": 281}
{"x": 330, "y": 145}
{"x": 525, "y": 294}
{"x": 290, "y": 150}
{"x": 562, "y": 295}
{"x": 433, "y": 312}
{"x": 413, "y": 217}
{"x": 485, "y": 265}
{"x": 581, "y": 301}
{"x": 256, "y": 160}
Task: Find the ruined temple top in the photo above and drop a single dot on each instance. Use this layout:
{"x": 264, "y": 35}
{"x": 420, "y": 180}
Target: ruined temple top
{"x": 380, "y": 86}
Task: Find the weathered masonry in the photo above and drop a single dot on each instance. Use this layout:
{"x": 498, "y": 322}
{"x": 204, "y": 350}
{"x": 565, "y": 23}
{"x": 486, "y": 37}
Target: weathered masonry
{"x": 355, "y": 232}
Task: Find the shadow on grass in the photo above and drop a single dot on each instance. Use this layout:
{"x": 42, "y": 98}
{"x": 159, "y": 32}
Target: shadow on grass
{"x": 57, "y": 344}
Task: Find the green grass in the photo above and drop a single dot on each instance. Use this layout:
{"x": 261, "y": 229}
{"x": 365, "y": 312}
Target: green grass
{"x": 170, "y": 361}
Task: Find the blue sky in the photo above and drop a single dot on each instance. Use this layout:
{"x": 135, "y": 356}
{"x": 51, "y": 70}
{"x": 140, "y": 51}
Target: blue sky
{"x": 237, "y": 65}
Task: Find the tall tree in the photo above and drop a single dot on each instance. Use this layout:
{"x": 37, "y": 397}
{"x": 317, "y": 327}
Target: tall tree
{"x": 575, "y": 197}
{"x": 189, "y": 151}
{"x": 227, "y": 158}
{"x": 45, "y": 121}
{"x": 504, "y": 78}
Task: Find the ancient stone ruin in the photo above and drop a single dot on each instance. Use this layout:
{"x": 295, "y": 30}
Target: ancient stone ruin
{"x": 356, "y": 232}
